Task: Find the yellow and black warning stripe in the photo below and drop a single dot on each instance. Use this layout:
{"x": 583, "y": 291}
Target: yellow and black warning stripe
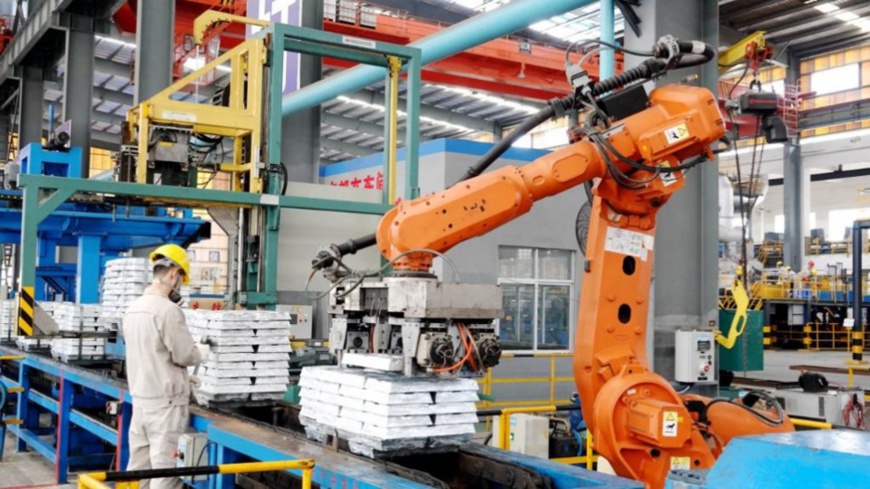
{"x": 26, "y": 306}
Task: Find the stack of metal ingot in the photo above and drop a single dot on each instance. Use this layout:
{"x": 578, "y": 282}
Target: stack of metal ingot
{"x": 250, "y": 355}
{"x": 33, "y": 344}
{"x": 82, "y": 327}
{"x": 8, "y": 320}
{"x": 124, "y": 281}
{"x": 386, "y": 414}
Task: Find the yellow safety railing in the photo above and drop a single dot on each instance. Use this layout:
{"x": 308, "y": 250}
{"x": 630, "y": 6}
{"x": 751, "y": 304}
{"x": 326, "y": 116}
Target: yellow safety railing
{"x": 124, "y": 480}
{"x": 504, "y": 435}
{"x": 488, "y": 381}
{"x": 826, "y": 337}
{"x": 806, "y": 423}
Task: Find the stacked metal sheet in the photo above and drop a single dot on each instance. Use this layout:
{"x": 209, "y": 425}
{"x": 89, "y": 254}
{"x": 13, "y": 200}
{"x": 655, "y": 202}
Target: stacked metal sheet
{"x": 32, "y": 344}
{"x": 124, "y": 282}
{"x": 382, "y": 414}
{"x": 250, "y": 355}
{"x": 8, "y": 320}
{"x": 83, "y": 321}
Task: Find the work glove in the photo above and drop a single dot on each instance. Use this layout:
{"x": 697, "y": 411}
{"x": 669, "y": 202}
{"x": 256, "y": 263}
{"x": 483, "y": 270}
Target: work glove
{"x": 195, "y": 383}
{"x": 204, "y": 351}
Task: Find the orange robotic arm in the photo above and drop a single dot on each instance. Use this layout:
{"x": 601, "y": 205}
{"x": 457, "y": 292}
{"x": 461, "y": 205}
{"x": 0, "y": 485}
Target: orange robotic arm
{"x": 639, "y": 422}
{"x": 681, "y": 123}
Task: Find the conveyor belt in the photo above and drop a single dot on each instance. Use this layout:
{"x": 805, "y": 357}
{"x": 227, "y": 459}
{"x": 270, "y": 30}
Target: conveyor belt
{"x": 472, "y": 466}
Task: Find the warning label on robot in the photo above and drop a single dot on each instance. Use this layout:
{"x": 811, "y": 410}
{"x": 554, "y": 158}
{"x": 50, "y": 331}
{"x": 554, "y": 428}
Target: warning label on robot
{"x": 669, "y": 424}
{"x": 677, "y": 134}
{"x": 668, "y": 177}
{"x": 681, "y": 463}
{"x": 627, "y": 242}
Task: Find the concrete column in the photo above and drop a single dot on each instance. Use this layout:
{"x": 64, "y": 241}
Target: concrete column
{"x": 4, "y": 137}
{"x": 78, "y": 89}
{"x": 155, "y": 39}
{"x": 796, "y": 189}
{"x": 300, "y": 138}
{"x": 30, "y": 117}
{"x": 686, "y": 242}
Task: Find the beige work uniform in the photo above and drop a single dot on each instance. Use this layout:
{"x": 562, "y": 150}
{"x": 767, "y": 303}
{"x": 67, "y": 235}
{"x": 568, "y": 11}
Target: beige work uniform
{"x": 159, "y": 350}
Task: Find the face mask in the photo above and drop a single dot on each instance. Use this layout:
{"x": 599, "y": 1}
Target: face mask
{"x": 174, "y": 295}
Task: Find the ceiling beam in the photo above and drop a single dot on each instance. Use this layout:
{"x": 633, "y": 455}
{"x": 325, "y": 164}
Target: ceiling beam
{"x": 354, "y": 124}
{"x": 444, "y": 115}
{"x": 831, "y": 44}
{"x": 841, "y": 31}
{"x": 755, "y": 23}
{"x": 748, "y": 10}
{"x": 427, "y": 11}
{"x": 349, "y": 148}
{"x": 113, "y": 68}
{"x": 815, "y": 22}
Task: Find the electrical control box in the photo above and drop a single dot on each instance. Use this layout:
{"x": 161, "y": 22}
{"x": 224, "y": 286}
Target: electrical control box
{"x": 529, "y": 434}
{"x": 301, "y": 320}
{"x": 834, "y": 405}
{"x": 190, "y": 453}
{"x": 695, "y": 357}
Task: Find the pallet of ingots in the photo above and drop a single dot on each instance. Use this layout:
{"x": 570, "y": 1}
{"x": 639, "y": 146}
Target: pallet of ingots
{"x": 84, "y": 318}
{"x": 250, "y": 355}
{"x": 124, "y": 281}
{"x": 33, "y": 344}
{"x": 68, "y": 350}
{"x": 8, "y": 320}
{"x": 382, "y": 414}
{"x": 84, "y": 322}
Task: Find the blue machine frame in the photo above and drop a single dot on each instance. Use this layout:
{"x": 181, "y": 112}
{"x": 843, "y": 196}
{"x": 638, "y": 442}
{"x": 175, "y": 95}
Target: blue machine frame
{"x": 72, "y": 431}
{"x": 100, "y": 232}
{"x": 96, "y": 444}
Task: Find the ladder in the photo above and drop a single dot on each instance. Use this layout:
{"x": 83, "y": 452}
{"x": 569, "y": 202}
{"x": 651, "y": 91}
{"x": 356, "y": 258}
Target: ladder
{"x": 789, "y": 107}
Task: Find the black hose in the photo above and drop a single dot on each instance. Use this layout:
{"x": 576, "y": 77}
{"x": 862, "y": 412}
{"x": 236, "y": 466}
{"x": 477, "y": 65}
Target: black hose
{"x": 353, "y": 245}
{"x": 644, "y": 71}
{"x": 647, "y": 70}
{"x": 500, "y": 147}
{"x": 692, "y": 56}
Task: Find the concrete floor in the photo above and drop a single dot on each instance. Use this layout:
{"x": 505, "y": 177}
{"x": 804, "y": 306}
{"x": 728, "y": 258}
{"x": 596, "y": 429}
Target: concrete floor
{"x": 776, "y": 366}
{"x": 26, "y": 470}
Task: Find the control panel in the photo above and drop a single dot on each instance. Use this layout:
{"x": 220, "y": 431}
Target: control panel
{"x": 191, "y": 453}
{"x": 695, "y": 357}
{"x": 301, "y": 320}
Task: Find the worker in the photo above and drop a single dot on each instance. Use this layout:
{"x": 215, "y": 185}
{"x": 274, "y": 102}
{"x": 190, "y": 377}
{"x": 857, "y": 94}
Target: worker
{"x": 782, "y": 272}
{"x": 159, "y": 350}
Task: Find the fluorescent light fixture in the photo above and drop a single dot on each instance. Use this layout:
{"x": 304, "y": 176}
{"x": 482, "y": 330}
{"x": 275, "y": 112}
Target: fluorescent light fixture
{"x": 490, "y": 99}
{"x": 749, "y": 149}
{"x": 428, "y": 120}
{"x": 864, "y": 24}
{"x": 542, "y": 25}
{"x": 193, "y": 64}
{"x": 115, "y": 41}
{"x": 826, "y": 7}
{"x": 846, "y": 16}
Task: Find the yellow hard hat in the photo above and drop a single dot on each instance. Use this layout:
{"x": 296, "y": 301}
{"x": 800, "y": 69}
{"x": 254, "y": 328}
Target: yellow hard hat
{"x": 176, "y": 255}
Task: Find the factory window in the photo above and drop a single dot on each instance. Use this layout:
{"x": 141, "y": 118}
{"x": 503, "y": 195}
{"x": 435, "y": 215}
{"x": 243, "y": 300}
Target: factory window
{"x": 839, "y": 79}
{"x": 214, "y": 256}
{"x": 537, "y": 298}
{"x": 777, "y": 87}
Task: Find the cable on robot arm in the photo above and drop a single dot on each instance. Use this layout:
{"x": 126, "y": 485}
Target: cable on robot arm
{"x": 668, "y": 54}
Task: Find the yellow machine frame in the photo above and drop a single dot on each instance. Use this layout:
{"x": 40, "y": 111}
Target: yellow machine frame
{"x": 242, "y": 118}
